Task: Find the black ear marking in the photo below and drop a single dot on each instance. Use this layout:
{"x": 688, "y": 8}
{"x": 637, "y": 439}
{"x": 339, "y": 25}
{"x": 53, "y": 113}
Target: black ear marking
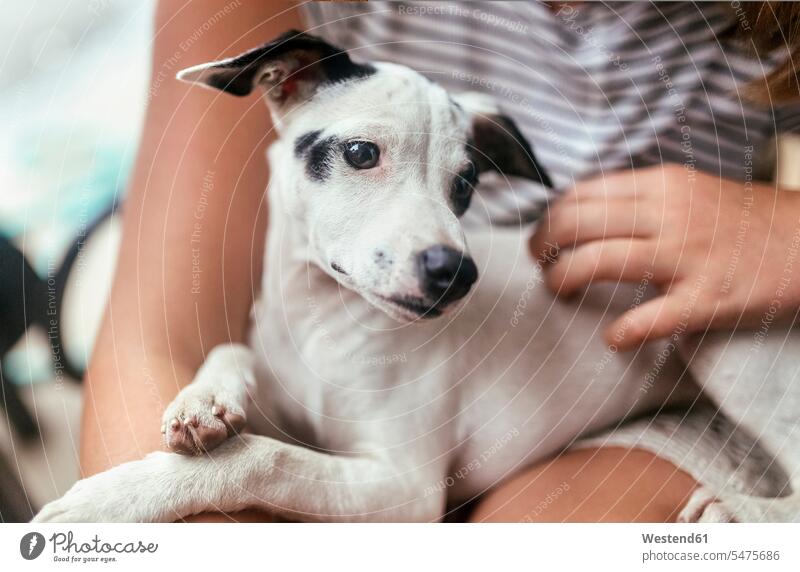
{"x": 290, "y": 67}
{"x": 500, "y": 146}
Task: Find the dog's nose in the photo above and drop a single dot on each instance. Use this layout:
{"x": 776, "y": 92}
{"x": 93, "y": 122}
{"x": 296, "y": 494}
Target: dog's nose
{"x": 445, "y": 274}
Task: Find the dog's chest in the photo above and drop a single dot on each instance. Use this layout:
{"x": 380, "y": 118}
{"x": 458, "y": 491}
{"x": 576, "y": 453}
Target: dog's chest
{"x": 335, "y": 374}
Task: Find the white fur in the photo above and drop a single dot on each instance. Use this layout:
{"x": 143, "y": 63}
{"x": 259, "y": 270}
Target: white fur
{"x": 405, "y": 415}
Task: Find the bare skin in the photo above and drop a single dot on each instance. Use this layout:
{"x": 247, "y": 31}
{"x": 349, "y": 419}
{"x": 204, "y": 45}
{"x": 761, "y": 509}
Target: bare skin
{"x": 591, "y": 485}
{"x": 163, "y": 318}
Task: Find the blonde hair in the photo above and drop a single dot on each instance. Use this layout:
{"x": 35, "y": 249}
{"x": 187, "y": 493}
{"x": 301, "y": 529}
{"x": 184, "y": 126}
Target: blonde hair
{"x": 769, "y": 27}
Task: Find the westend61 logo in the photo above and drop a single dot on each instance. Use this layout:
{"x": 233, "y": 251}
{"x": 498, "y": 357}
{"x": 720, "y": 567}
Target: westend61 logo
{"x": 67, "y": 549}
{"x": 31, "y": 545}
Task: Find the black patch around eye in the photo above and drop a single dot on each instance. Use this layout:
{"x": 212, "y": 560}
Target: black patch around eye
{"x": 318, "y": 163}
{"x": 302, "y": 143}
{"x": 462, "y": 187}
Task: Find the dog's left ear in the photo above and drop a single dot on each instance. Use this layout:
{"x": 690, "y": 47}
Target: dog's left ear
{"x": 497, "y": 144}
{"x": 290, "y": 68}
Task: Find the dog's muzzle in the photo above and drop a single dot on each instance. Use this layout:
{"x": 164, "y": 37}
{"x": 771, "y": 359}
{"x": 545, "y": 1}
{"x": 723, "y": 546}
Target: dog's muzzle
{"x": 445, "y": 274}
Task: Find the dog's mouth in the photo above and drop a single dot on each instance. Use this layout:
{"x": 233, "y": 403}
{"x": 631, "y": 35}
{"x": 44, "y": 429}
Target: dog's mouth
{"x": 415, "y": 306}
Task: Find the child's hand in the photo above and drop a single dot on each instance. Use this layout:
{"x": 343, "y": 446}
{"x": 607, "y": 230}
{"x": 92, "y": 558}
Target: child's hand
{"x": 722, "y": 254}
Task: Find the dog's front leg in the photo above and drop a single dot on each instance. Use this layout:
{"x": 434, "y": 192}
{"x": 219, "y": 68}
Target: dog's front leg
{"x": 140, "y": 491}
{"x": 250, "y": 471}
{"x": 306, "y": 485}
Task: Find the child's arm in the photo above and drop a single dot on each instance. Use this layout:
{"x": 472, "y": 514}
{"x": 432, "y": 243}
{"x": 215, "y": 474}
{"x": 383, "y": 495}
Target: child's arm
{"x": 194, "y": 228}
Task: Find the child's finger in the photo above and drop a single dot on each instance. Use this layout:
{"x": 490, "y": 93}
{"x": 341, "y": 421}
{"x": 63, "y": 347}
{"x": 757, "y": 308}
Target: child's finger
{"x": 615, "y": 259}
{"x": 657, "y": 318}
{"x": 574, "y": 223}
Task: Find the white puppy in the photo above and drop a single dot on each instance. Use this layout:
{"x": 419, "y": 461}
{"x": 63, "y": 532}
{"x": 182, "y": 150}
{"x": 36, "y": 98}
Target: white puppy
{"x": 359, "y": 406}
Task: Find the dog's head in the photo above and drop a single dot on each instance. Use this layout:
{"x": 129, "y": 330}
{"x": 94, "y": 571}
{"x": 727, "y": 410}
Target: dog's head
{"x": 379, "y": 163}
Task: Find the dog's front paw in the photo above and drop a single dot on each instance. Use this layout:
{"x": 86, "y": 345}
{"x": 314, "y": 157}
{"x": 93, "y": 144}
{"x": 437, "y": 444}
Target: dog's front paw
{"x": 131, "y": 492}
{"x": 200, "y": 418}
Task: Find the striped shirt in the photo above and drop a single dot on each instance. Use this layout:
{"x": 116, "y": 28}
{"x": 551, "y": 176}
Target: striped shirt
{"x": 595, "y": 87}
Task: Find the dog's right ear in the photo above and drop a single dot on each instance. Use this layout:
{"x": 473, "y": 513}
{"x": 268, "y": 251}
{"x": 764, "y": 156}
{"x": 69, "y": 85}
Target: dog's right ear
{"x": 289, "y": 69}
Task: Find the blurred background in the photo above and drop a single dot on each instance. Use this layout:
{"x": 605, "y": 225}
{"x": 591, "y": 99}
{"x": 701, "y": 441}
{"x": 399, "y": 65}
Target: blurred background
{"x": 73, "y": 90}
{"x": 73, "y": 87}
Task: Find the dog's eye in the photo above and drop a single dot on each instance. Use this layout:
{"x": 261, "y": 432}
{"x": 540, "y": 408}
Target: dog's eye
{"x": 361, "y": 154}
{"x": 463, "y": 183}
{"x": 461, "y": 189}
